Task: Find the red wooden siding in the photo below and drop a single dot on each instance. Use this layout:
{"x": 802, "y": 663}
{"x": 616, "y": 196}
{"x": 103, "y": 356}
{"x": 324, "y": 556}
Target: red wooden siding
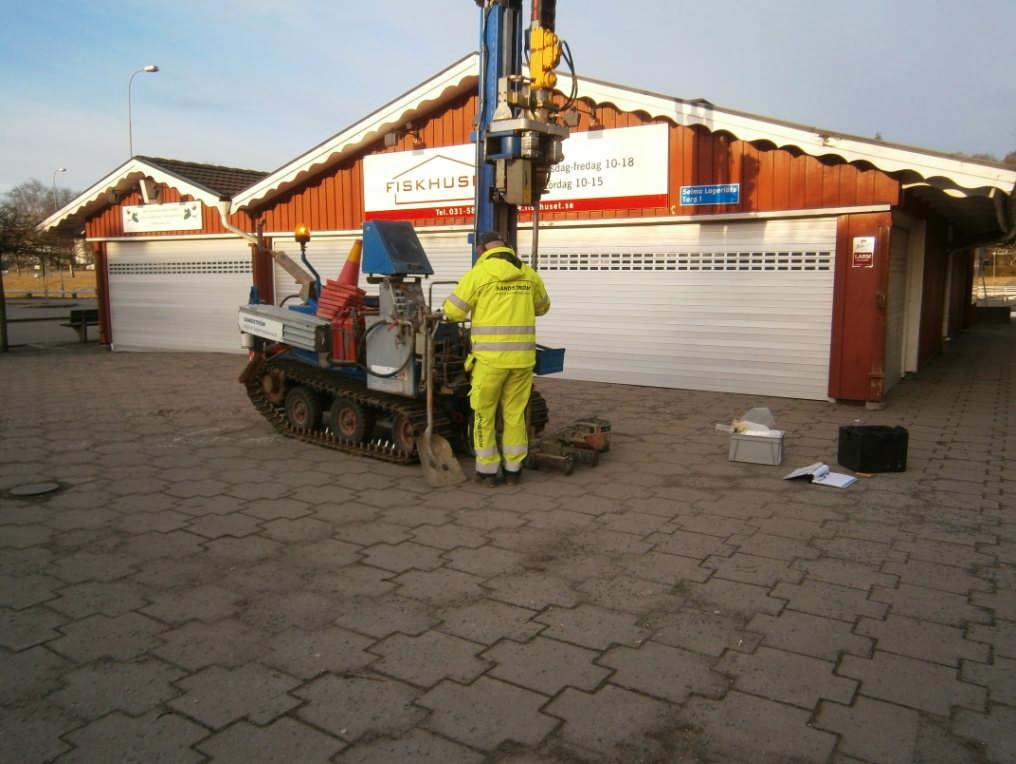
{"x": 771, "y": 179}
{"x": 109, "y": 222}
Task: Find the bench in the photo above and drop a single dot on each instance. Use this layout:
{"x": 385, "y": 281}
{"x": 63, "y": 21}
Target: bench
{"x": 80, "y": 319}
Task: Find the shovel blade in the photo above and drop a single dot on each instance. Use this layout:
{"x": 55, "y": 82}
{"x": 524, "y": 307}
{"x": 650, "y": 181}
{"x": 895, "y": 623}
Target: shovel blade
{"x": 440, "y": 467}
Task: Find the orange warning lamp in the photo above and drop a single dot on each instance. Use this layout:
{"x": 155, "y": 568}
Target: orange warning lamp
{"x": 302, "y": 233}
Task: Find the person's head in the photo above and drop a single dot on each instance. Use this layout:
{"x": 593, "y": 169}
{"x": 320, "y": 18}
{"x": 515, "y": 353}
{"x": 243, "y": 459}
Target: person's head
{"x": 487, "y": 240}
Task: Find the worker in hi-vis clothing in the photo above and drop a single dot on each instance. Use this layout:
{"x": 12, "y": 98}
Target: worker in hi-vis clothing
{"x": 503, "y": 296}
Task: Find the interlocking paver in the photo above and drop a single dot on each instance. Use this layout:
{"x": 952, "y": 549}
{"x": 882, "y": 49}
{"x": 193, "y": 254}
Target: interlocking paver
{"x": 664, "y": 672}
{"x": 381, "y": 617}
{"x": 994, "y": 732}
{"x": 418, "y": 746}
{"x": 29, "y": 674}
{"x": 19, "y": 592}
{"x": 203, "y": 603}
{"x": 122, "y": 637}
{"x": 448, "y": 536}
{"x": 486, "y": 561}
{"x": 109, "y": 598}
{"x": 283, "y": 740}
{"x": 811, "y": 635}
{"x": 733, "y": 597}
{"x": 999, "y": 677}
{"x": 658, "y": 569}
{"x": 1001, "y": 636}
{"x": 350, "y": 581}
{"x": 666, "y": 568}
{"x": 30, "y": 733}
{"x": 306, "y": 654}
{"x": 487, "y": 621}
{"x": 545, "y": 665}
{"x": 404, "y": 556}
{"x": 487, "y": 713}
{"x": 425, "y": 659}
{"x": 156, "y": 736}
{"x": 591, "y": 626}
{"x": 846, "y": 573}
{"x": 532, "y": 590}
{"x": 931, "y": 605}
{"x": 354, "y": 706}
{"x": 929, "y": 687}
{"x": 943, "y": 552}
{"x": 702, "y": 632}
{"x": 924, "y": 640}
{"x": 216, "y": 696}
{"x": 786, "y": 677}
{"x": 1001, "y": 603}
{"x": 235, "y": 524}
{"x": 611, "y": 724}
{"x": 872, "y": 730}
{"x": 742, "y": 727}
{"x": 831, "y": 600}
{"x": 196, "y": 644}
{"x": 133, "y": 687}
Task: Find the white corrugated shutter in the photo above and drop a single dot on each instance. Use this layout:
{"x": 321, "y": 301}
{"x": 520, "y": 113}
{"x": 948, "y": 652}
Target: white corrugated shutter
{"x": 179, "y": 295}
{"x": 743, "y": 307}
{"x": 896, "y": 308}
{"x": 326, "y": 255}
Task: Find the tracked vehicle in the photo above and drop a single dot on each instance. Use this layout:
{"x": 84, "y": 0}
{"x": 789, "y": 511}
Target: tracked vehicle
{"x": 350, "y": 371}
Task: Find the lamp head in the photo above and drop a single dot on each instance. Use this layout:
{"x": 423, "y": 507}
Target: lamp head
{"x": 151, "y": 68}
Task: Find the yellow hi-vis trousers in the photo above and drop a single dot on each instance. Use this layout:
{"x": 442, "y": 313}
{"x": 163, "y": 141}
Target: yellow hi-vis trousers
{"x": 510, "y": 389}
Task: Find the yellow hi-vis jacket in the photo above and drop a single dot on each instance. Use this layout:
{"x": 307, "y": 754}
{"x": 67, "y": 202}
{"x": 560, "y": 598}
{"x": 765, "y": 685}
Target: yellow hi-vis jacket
{"x": 504, "y": 297}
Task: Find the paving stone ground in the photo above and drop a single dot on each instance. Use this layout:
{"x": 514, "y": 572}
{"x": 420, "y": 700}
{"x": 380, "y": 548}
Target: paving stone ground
{"x": 202, "y": 589}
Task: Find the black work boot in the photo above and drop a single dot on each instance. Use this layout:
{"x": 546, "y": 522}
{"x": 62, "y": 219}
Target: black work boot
{"x": 487, "y": 480}
{"x": 512, "y": 478}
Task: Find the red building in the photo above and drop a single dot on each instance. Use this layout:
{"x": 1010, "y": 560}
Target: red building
{"x": 684, "y": 245}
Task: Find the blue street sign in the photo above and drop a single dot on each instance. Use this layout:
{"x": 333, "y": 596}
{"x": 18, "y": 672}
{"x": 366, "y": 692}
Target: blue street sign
{"x": 723, "y": 193}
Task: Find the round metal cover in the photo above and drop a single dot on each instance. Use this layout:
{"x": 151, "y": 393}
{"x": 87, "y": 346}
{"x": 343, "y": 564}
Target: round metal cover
{"x": 34, "y": 489}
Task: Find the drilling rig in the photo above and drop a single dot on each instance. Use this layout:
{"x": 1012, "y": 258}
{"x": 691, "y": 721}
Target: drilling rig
{"x": 383, "y": 375}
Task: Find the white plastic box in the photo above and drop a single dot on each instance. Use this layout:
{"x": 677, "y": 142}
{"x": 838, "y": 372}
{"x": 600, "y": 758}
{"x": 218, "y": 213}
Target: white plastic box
{"x": 757, "y": 449}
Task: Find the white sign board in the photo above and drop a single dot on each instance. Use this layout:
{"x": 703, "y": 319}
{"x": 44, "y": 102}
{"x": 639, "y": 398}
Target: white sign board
{"x": 177, "y": 216}
{"x": 601, "y": 169}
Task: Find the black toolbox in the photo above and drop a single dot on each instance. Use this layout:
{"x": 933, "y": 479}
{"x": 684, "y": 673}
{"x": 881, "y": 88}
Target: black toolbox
{"x": 873, "y": 448}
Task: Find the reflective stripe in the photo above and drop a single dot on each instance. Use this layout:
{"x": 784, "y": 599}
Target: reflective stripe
{"x": 487, "y": 469}
{"x": 459, "y": 303}
{"x": 502, "y": 329}
{"x": 514, "y": 449}
{"x": 503, "y": 346}
{"x": 486, "y": 452}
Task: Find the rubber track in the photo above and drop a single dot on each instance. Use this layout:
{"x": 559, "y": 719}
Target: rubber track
{"x": 334, "y": 384}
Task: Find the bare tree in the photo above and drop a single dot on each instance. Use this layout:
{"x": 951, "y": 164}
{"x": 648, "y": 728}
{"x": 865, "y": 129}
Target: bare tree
{"x": 21, "y": 210}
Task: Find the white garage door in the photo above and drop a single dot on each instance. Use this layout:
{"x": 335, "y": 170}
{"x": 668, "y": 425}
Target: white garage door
{"x": 742, "y": 307}
{"x": 178, "y": 295}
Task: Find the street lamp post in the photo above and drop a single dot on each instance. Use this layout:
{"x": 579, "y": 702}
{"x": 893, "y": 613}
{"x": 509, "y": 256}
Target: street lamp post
{"x": 52, "y": 187}
{"x": 151, "y": 68}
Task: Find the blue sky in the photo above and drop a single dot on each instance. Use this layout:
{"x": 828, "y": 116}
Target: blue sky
{"x": 254, "y": 83}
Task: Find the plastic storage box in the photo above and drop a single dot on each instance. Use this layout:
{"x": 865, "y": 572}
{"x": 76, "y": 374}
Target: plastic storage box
{"x": 873, "y": 448}
{"x": 549, "y": 360}
{"x": 757, "y": 449}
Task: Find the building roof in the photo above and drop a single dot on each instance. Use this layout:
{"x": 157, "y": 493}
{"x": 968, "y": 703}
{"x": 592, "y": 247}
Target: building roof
{"x": 225, "y": 181}
{"x": 207, "y": 183}
{"x": 976, "y": 196}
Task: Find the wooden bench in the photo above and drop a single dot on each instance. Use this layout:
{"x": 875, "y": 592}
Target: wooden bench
{"x": 80, "y": 319}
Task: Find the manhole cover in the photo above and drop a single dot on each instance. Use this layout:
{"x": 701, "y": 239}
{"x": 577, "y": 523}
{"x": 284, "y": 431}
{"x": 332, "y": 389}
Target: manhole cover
{"x": 34, "y": 489}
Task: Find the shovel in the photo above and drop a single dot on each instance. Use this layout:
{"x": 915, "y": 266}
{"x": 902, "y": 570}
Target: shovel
{"x": 440, "y": 467}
